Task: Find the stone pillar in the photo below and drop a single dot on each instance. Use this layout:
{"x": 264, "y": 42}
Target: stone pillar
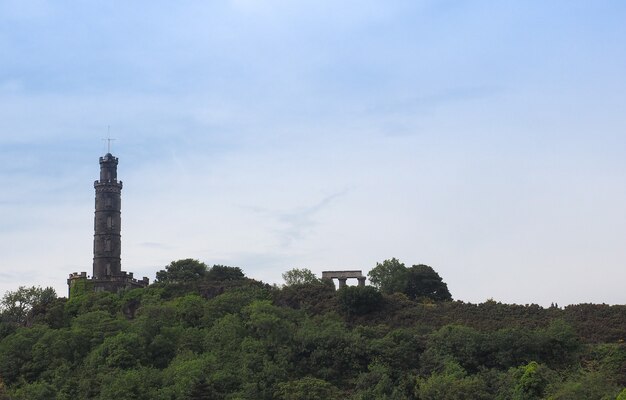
{"x": 361, "y": 281}
{"x": 342, "y": 282}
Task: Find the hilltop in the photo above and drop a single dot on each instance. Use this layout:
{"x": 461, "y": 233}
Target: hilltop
{"x": 204, "y": 332}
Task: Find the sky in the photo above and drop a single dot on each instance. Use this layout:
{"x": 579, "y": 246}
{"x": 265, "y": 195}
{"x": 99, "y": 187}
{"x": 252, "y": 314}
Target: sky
{"x": 485, "y": 139}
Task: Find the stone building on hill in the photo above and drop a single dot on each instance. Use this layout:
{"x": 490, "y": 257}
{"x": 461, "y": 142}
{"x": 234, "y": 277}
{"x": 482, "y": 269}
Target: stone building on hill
{"x": 107, "y": 240}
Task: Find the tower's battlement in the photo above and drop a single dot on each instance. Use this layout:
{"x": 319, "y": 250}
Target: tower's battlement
{"x": 114, "y": 283}
{"x": 76, "y": 275}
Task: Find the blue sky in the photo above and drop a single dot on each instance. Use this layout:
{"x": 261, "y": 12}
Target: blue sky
{"x": 486, "y": 139}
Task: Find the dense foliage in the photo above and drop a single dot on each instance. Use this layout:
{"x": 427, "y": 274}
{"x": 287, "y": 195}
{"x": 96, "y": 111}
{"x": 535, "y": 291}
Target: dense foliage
{"x": 418, "y": 282}
{"x": 212, "y": 333}
{"x": 299, "y": 276}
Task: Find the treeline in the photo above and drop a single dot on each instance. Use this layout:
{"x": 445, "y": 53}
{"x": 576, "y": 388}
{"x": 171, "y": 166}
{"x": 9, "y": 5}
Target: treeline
{"x": 204, "y": 332}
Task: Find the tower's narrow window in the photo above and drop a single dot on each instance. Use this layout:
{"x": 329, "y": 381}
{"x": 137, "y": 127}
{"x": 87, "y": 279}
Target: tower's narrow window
{"x": 107, "y": 201}
{"x": 107, "y": 244}
{"x": 109, "y": 222}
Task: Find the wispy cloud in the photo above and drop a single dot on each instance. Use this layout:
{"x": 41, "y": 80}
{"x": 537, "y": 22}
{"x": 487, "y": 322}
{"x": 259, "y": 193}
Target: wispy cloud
{"x": 300, "y": 222}
{"x": 297, "y": 223}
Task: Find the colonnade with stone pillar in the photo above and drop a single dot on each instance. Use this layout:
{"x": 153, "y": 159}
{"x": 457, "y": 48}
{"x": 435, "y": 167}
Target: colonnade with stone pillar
{"x": 343, "y": 276}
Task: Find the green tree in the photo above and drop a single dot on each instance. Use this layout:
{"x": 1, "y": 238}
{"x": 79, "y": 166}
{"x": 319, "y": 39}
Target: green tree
{"x": 16, "y": 305}
{"x": 35, "y": 391}
{"x": 389, "y": 276}
{"x": 462, "y": 344}
{"x": 185, "y": 374}
{"x": 57, "y": 348}
{"x": 268, "y": 322}
{"x": 611, "y": 358}
{"x": 123, "y": 351}
{"x": 533, "y": 382}
{"x": 584, "y": 386}
{"x": 231, "y": 302}
{"x": 315, "y": 297}
{"x": 16, "y": 358}
{"x": 299, "y": 276}
{"x": 134, "y": 384}
{"x": 3, "y": 391}
{"x": 182, "y": 271}
{"x": 377, "y": 384}
{"x": 452, "y": 383}
{"x": 307, "y": 388}
{"x": 49, "y": 313}
{"x": 423, "y": 281}
{"x": 512, "y": 347}
{"x": 558, "y": 343}
{"x": 162, "y": 349}
{"x": 94, "y": 327}
{"x": 399, "y": 349}
{"x": 189, "y": 309}
{"x": 264, "y": 363}
{"x": 357, "y": 300}
{"x": 327, "y": 349}
{"x": 225, "y": 273}
{"x": 419, "y": 281}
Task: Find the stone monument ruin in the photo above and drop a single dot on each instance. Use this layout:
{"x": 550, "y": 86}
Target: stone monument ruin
{"x": 343, "y": 276}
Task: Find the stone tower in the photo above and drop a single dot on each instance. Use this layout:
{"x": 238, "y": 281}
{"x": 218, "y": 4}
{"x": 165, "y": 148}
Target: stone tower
{"x": 107, "y": 240}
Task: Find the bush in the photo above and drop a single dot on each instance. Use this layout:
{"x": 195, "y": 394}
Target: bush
{"x": 355, "y": 300}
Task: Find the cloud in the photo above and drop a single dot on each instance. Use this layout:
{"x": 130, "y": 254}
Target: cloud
{"x": 298, "y": 223}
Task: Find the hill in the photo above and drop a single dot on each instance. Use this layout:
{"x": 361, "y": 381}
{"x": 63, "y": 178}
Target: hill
{"x": 220, "y": 335}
